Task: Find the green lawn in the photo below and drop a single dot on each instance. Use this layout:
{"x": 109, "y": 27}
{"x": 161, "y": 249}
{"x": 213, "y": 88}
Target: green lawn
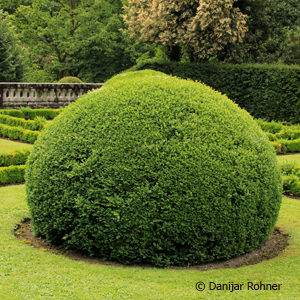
{"x": 289, "y": 158}
{"x": 10, "y": 146}
{"x": 28, "y": 273}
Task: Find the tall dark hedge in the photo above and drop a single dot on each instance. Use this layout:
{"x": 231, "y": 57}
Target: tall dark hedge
{"x": 154, "y": 169}
{"x": 270, "y": 92}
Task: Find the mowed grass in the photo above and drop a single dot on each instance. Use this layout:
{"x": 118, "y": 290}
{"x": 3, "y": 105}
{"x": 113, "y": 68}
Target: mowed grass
{"x": 29, "y": 273}
{"x": 11, "y": 146}
{"x": 289, "y": 158}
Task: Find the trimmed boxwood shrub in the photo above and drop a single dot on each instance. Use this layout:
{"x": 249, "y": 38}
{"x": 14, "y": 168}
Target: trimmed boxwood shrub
{"x": 270, "y": 92}
{"x": 70, "y": 79}
{"x": 154, "y": 169}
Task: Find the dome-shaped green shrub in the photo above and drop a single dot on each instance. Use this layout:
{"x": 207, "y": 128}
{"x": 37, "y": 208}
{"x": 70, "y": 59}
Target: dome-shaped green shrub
{"x": 70, "y": 79}
{"x": 154, "y": 169}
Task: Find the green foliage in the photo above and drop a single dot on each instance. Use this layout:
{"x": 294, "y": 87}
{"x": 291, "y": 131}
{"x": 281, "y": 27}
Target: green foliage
{"x": 290, "y": 168}
{"x": 269, "y": 92}
{"x": 46, "y": 113}
{"x": 291, "y": 54}
{"x": 11, "y": 6}
{"x": 271, "y": 127}
{"x": 32, "y": 114}
{"x": 284, "y": 146}
{"x": 11, "y": 63}
{"x": 154, "y": 169}
{"x": 291, "y": 178}
{"x": 83, "y": 38}
{"x": 288, "y": 134}
{"x": 70, "y": 79}
{"x": 18, "y": 157}
{"x": 12, "y": 174}
{"x": 12, "y": 112}
{"x": 36, "y": 124}
{"x": 33, "y": 73}
{"x": 284, "y": 138}
{"x": 18, "y": 133}
{"x": 269, "y": 22}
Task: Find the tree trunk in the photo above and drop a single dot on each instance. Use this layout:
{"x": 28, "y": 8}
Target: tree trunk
{"x": 174, "y": 53}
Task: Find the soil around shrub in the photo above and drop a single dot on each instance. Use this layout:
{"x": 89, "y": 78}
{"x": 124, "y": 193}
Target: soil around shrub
{"x": 277, "y": 242}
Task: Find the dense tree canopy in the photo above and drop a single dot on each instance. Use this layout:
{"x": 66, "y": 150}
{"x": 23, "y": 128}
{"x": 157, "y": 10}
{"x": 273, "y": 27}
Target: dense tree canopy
{"x": 200, "y": 28}
{"x": 89, "y": 38}
{"x": 270, "y": 23}
{"x": 74, "y": 37}
{"x": 229, "y": 30}
{"x": 11, "y": 6}
{"x": 11, "y": 66}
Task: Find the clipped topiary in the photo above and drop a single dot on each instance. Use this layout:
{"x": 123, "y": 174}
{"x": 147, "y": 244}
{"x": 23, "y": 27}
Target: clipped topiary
{"x": 70, "y": 79}
{"x": 154, "y": 169}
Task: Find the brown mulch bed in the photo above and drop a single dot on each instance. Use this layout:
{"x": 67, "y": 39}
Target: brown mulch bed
{"x": 277, "y": 242}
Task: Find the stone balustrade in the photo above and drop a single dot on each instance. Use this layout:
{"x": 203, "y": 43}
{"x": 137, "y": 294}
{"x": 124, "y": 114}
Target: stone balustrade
{"x": 42, "y": 95}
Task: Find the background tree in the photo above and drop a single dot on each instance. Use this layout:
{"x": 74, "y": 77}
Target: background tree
{"x": 292, "y": 47}
{"x": 82, "y": 38}
{"x": 11, "y": 63}
{"x": 10, "y": 6}
{"x": 269, "y": 23}
{"x": 198, "y": 28}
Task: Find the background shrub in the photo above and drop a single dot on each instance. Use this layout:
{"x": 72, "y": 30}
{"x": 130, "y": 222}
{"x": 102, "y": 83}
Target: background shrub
{"x": 154, "y": 169}
{"x": 270, "y": 92}
{"x": 70, "y": 79}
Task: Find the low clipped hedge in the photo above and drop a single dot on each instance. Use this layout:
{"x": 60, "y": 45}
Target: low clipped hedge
{"x": 18, "y": 157}
{"x": 283, "y": 138}
{"x": 270, "y": 92}
{"x": 285, "y": 146}
{"x": 30, "y": 114}
{"x": 270, "y": 127}
{"x": 290, "y": 179}
{"x": 12, "y": 174}
{"x": 36, "y": 124}
{"x": 154, "y": 169}
{"x": 18, "y": 133}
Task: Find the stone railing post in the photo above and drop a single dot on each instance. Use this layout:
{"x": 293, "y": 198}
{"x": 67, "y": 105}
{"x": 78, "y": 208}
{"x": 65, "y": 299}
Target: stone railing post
{"x": 42, "y": 95}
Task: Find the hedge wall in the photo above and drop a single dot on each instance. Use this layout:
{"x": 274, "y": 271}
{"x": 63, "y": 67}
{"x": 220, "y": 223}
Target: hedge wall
{"x": 270, "y": 92}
